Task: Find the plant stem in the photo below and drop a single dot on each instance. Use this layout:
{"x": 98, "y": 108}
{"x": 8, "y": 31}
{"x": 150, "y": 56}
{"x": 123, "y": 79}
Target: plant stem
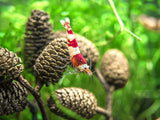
{"x": 36, "y": 95}
{"x": 102, "y": 80}
{"x": 38, "y": 86}
{"x": 109, "y": 90}
{"x": 102, "y": 111}
{"x": 121, "y": 22}
{"x": 133, "y": 34}
{"x": 33, "y": 109}
{"x": 109, "y": 101}
{"x": 116, "y": 13}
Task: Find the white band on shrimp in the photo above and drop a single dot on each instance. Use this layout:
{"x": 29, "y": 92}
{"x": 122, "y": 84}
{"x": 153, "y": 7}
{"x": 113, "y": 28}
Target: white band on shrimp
{"x": 71, "y": 37}
{"x": 67, "y": 19}
{"x": 82, "y": 67}
{"x": 73, "y": 51}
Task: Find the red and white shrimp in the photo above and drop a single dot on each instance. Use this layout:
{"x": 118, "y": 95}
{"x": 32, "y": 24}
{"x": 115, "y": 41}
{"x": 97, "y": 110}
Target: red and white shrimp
{"x": 76, "y": 57}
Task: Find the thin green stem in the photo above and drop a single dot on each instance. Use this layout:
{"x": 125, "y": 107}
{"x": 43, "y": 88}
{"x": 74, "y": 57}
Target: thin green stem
{"x": 116, "y": 13}
{"x": 133, "y": 34}
{"x": 121, "y": 22}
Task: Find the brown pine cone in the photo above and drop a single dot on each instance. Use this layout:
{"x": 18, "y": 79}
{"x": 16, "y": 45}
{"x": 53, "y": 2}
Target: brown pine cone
{"x": 87, "y": 48}
{"x": 51, "y": 63}
{"x": 10, "y": 66}
{"x": 12, "y": 98}
{"x": 114, "y": 68}
{"x": 79, "y": 100}
{"x": 37, "y": 35}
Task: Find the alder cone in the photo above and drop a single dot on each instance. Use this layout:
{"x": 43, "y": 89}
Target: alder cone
{"x": 79, "y": 100}
{"x": 51, "y": 63}
{"x": 115, "y": 68}
{"x": 149, "y": 22}
{"x": 87, "y": 48}
{"x": 10, "y": 66}
{"x": 13, "y": 98}
{"x": 37, "y": 35}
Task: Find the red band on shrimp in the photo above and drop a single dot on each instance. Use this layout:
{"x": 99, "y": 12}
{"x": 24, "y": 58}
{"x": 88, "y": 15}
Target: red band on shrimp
{"x": 78, "y": 60}
{"x": 70, "y": 31}
{"x": 73, "y": 43}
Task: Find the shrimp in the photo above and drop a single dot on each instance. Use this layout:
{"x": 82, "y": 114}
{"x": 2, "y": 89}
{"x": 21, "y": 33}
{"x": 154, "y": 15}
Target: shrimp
{"x": 76, "y": 57}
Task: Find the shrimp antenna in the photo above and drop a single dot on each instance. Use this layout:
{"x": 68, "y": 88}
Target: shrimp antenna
{"x": 66, "y": 21}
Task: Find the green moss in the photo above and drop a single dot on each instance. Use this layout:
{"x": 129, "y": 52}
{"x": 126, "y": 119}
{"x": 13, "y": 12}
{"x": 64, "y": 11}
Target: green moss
{"x": 96, "y": 21}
